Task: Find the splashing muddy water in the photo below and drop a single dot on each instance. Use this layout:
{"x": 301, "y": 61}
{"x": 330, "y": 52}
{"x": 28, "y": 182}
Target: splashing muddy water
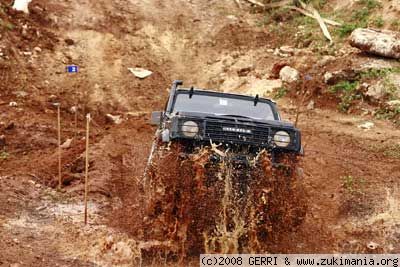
{"x": 208, "y": 201}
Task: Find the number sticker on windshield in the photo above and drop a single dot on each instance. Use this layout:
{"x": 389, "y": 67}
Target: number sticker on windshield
{"x": 223, "y": 102}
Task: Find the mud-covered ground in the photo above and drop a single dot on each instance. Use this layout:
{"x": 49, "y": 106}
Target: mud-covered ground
{"x": 351, "y": 175}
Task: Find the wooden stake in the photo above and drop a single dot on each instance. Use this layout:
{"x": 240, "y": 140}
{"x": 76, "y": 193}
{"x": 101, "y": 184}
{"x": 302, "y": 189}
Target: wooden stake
{"x": 59, "y": 145}
{"x": 86, "y": 163}
{"x": 254, "y": 2}
{"x": 76, "y": 122}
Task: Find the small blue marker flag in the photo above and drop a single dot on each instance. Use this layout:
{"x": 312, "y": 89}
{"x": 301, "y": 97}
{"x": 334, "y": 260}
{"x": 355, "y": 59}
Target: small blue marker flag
{"x": 72, "y": 69}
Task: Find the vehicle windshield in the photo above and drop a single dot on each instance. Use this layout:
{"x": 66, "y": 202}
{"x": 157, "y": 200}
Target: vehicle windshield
{"x": 219, "y": 105}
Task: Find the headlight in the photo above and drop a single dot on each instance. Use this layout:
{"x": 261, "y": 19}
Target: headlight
{"x": 282, "y": 139}
{"x": 190, "y": 129}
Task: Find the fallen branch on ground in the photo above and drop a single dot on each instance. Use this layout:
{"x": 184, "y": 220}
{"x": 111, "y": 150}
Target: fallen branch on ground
{"x": 317, "y": 16}
{"x": 238, "y": 3}
{"x": 305, "y": 13}
{"x": 321, "y": 24}
{"x": 254, "y": 2}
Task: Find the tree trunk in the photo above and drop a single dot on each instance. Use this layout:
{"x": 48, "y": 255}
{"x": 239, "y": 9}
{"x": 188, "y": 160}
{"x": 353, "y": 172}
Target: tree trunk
{"x": 382, "y": 43}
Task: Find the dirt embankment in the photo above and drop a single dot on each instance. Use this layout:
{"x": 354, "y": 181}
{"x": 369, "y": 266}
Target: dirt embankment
{"x": 350, "y": 173}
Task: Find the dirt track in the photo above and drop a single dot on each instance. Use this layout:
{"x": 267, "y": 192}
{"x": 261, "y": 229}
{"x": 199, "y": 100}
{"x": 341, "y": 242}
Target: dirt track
{"x": 205, "y": 43}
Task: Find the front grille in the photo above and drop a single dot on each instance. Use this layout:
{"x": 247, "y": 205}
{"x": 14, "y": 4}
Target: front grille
{"x": 239, "y": 133}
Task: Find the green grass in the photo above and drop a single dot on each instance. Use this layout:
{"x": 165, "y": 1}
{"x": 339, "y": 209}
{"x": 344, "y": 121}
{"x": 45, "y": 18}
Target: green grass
{"x": 347, "y": 92}
{"x": 388, "y": 113}
{"x": 6, "y": 25}
{"x": 279, "y": 93}
{"x": 378, "y": 22}
{"x": 360, "y": 18}
{"x": 370, "y": 4}
{"x": 346, "y": 29}
{"x": 391, "y": 151}
{"x": 379, "y": 73}
{"x": 353, "y": 184}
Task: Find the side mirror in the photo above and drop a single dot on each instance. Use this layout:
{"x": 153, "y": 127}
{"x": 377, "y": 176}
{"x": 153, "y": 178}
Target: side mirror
{"x": 156, "y": 117}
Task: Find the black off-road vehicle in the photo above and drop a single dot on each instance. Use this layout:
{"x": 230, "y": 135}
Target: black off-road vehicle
{"x": 221, "y": 176}
{"x": 244, "y": 123}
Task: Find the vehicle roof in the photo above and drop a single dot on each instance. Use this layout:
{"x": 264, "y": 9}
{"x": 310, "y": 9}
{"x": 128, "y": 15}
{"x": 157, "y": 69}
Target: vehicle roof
{"x": 224, "y": 93}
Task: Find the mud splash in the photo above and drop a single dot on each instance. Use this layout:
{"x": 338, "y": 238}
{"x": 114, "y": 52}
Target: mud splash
{"x": 207, "y": 201}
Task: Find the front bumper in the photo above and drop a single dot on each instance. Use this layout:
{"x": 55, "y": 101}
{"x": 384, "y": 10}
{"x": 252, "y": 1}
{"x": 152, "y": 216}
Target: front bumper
{"x": 234, "y": 132}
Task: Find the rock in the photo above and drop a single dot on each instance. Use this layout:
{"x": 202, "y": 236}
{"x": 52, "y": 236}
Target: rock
{"x": 287, "y": 50}
{"x": 140, "y": 72}
{"x": 311, "y": 105}
{"x": 262, "y": 87}
{"x": 243, "y": 67}
{"x": 372, "y": 245}
{"x": 328, "y": 77}
{"x": 24, "y": 30}
{"x": 277, "y": 52}
{"x": 232, "y": 18}
{"x": 13, "y": 104}
{"x": 244, "y": 71}
{"x": 10, "y": 126}
{"x": 378, "y": 42}
{"x": 366, "y": 125}
{"x": 69, "y": 41}
{"x": 67, "y": 143}
{"x": 341, "y": 75}
{"x": 377, "y": 63}
{"x": 376, "y": 91}
{"x": 73, "y": 109}
{"x": 20, "y": 93}
{"x": 122, "y": 250}
{"x": 37, "y": 49}
{"x": 116, "y": 119}
{"x": 325, "y": 60}
{"x": 276, "y": 69}
{"x": 21, "y": 5}
{"x": 289, "y": 74}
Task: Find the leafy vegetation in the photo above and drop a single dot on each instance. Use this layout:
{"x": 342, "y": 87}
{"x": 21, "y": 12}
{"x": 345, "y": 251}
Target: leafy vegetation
{"x": 388, "y": 113}
{"x": 4, "y": 155}
{"x": 378, "y": 22}
{"x": 353, "y": 184}
{"x": 6, "y": 25}
{"x": 347, "y": 92}
{"x": 279, "y": 93}
{"x": 378, "y": 73}
{"x": 360, "y": 18}
{"x": 392, "y": 151}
